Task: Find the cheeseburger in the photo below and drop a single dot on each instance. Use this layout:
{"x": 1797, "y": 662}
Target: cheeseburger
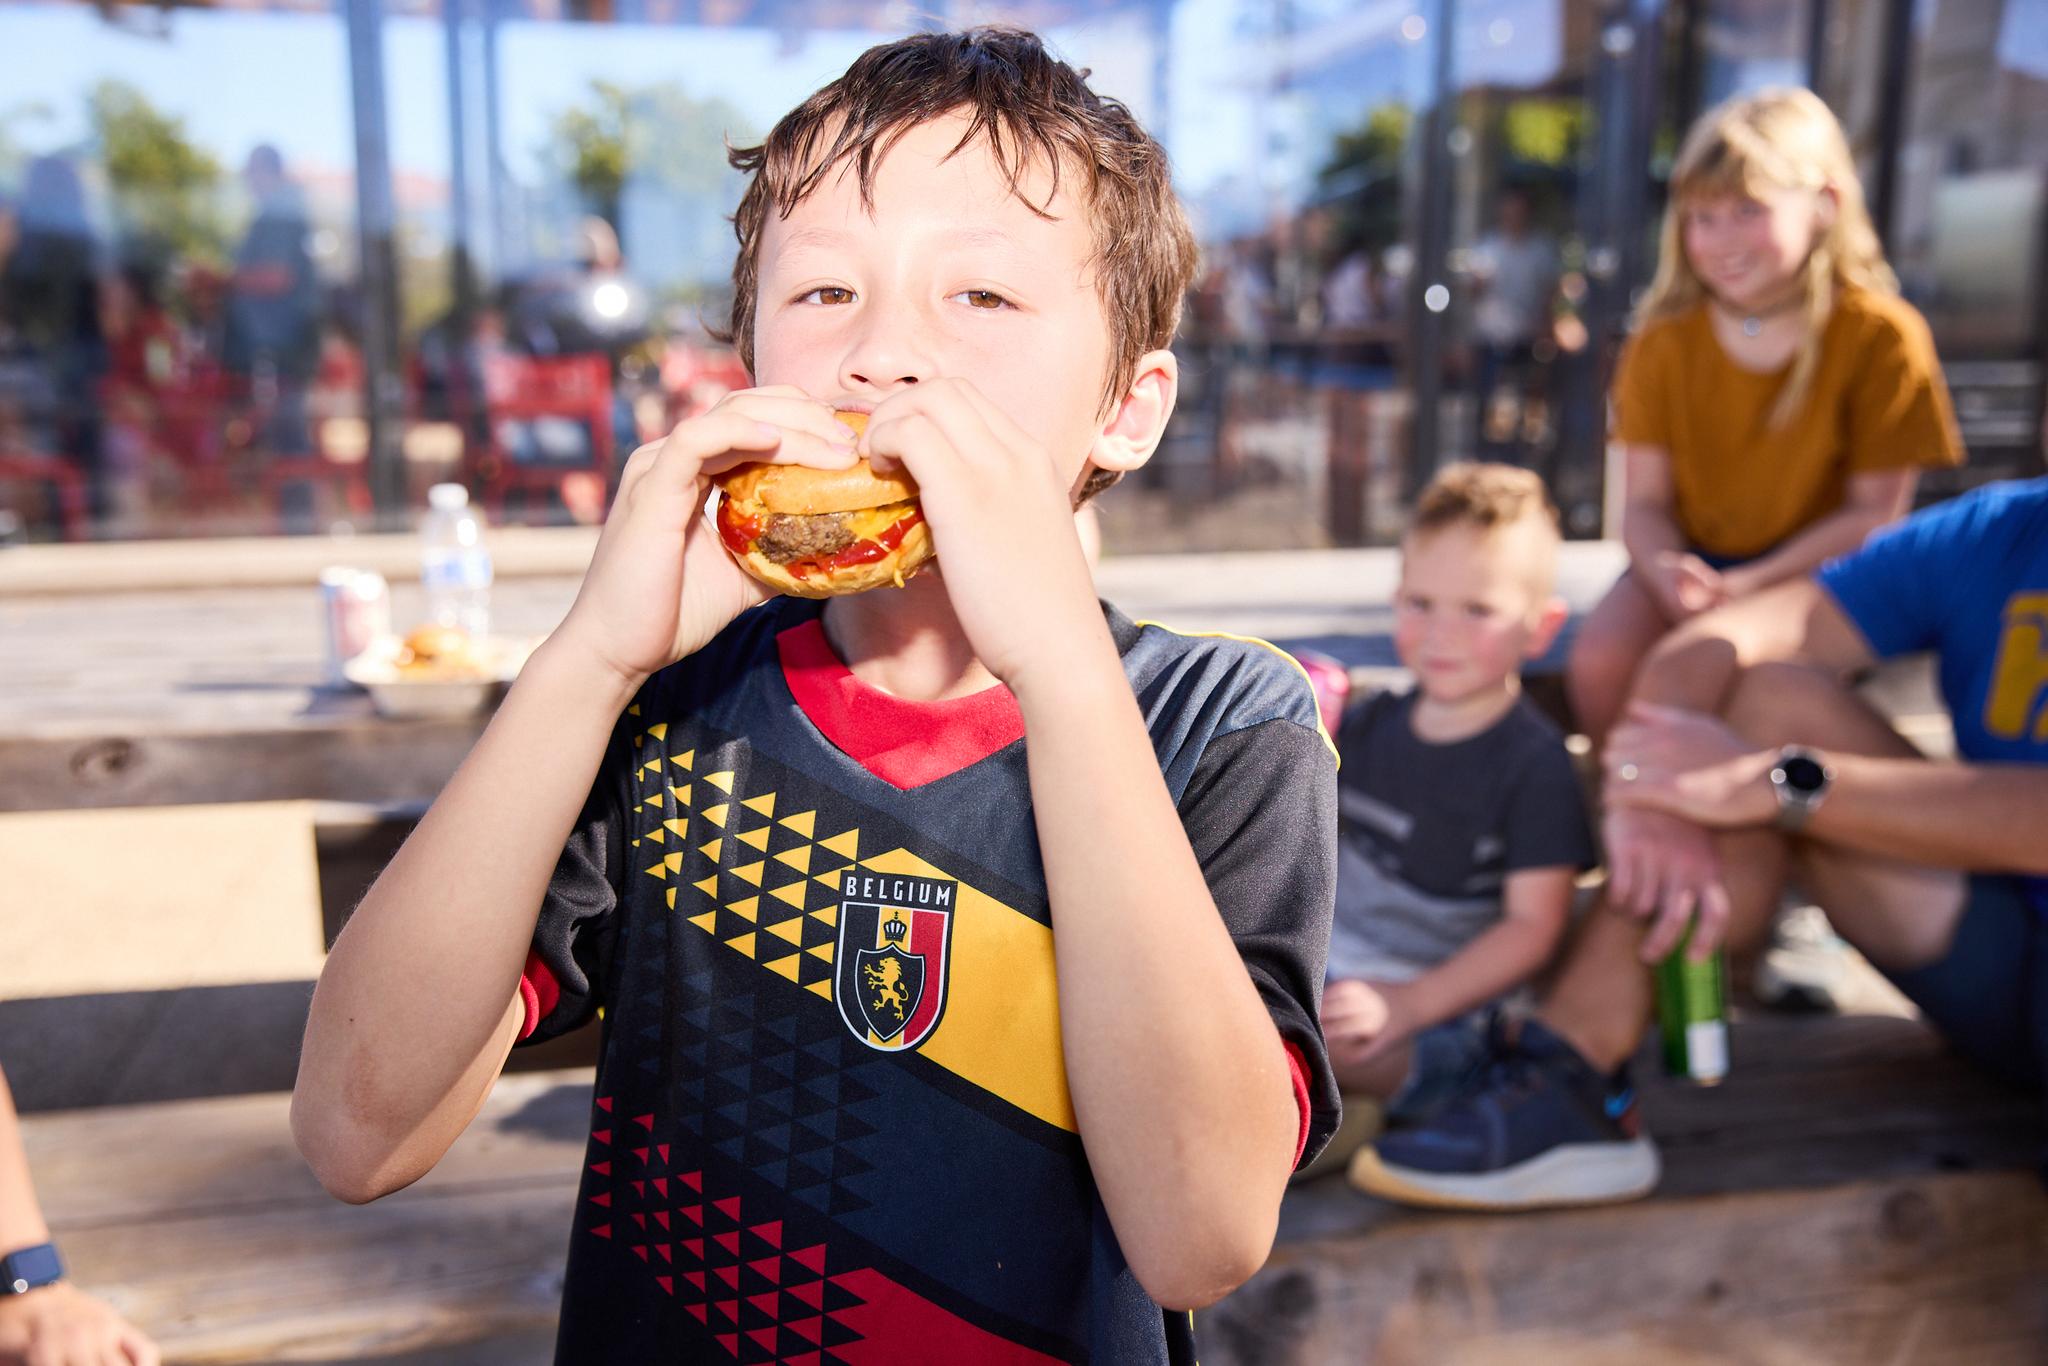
{"x": 822, "y": 533}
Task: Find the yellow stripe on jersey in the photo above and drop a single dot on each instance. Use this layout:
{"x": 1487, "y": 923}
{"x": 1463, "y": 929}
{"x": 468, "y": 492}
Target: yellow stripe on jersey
{"x": 1001, "y": 1028}
{"x": 1307, "y": 682}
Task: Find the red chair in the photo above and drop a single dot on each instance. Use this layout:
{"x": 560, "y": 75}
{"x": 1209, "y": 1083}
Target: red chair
{"x": 21, "y": 467}
{"x": 521, "y": 390}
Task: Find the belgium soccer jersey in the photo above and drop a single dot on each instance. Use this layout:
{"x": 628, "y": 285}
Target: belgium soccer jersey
{"x": 831, "y": 1120}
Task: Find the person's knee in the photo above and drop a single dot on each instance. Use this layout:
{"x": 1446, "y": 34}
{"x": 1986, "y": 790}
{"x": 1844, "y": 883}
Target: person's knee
{"x": 1784, "y": 704}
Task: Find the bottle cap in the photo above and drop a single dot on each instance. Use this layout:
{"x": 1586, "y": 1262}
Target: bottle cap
{"x": 448, "y": 497}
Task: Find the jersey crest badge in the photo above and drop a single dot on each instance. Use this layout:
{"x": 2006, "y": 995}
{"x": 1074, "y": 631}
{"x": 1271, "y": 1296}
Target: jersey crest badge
{"x": 895, "y": 945}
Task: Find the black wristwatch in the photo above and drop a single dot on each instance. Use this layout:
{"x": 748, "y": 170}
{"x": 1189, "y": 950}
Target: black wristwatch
{"x": 1801, "y": 778}
{"x": 30, "y": 1269}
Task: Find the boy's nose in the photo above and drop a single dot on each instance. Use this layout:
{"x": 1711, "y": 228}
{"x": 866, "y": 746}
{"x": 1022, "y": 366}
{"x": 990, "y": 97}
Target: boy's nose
{"x": 888, "y": 353}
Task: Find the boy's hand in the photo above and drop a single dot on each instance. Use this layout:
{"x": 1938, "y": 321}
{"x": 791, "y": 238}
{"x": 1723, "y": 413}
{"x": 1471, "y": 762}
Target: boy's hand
{"x": 1002, "y": 521}
{"x": 660, "y": 584}
{"x": 58, "y": 1325}
{"x": 1362, "y": 1020}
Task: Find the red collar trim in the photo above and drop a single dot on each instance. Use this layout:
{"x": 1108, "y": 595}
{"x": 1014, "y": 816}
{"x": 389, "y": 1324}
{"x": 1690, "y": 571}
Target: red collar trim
{"x": 906, "y": 744}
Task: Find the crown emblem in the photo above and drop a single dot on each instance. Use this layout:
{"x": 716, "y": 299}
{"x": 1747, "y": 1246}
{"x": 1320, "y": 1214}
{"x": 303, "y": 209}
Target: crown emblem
{"x": 895, "y": 931}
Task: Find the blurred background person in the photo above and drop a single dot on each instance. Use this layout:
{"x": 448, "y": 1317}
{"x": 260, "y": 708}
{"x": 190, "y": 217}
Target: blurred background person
{"x": 1777, "y": 398}
{"x": 272, "y": 342}
{"x": 1515, "y": 271}
{"x": 50, "y": 322}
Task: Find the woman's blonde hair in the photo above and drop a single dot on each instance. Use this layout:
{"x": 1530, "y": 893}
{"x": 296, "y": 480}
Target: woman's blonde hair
{"x": 1780, "y": 139}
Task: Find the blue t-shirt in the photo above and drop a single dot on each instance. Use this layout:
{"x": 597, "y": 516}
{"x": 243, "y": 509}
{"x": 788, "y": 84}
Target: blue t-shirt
{"x": 1969, "y": 581}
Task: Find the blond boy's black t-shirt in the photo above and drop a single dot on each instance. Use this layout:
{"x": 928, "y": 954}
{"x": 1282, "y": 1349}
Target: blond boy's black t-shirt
{"x": 831, "y": 1121}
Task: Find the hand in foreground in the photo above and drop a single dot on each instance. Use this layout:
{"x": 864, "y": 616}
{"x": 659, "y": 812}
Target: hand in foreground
{"x": 1688, "y": 764}
{"x": 58, "y": 1325}
{"x": 660, "y": 585}
{"x": 1663, "y": 867}
{"x": 1687, "y": 585}
{"x": 1362, "y": 1020}
{"x": 1002, "y": 521}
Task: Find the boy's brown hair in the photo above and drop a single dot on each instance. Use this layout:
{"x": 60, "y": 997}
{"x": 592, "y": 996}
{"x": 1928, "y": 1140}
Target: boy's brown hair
{"x": 1490, "y": 497}
{"x": 1032, "y": 108}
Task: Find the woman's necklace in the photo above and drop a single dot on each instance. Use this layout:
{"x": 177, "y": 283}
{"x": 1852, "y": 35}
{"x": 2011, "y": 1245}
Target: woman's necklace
{"x": 1753, "y": 323}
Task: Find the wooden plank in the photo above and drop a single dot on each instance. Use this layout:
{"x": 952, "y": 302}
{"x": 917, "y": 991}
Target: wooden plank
{"x": 143, "y": 900}
{"x": 1935, "y": 1270}
{"x": 200, "y": 1222}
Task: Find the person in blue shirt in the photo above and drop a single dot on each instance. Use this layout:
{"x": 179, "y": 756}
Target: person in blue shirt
{"x": 1746, "y": 759}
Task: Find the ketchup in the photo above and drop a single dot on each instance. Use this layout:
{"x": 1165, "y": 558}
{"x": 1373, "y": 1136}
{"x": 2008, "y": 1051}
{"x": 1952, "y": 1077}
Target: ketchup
{"x": 739, "y": 533}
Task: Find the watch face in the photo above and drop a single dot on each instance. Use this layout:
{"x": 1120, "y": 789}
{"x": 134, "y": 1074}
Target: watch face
{"x": 1803, "y": 775}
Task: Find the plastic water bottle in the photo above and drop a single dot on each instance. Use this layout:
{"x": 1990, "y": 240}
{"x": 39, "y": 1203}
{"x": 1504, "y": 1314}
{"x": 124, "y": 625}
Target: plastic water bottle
{"x": 455, "y": 564}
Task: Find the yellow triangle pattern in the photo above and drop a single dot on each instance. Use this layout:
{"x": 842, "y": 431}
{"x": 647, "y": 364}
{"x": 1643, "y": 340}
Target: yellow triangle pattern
{"x": 659, "y": 870}
{"x": 828, "y": 915}
{"x": 847, "y": 846}
{"x": 763, "y": 805}
{"x": 677, "y": 828}
{"x": 749, "y": 873}
{"x": 705, "y": 921}
{"x": 712, "y": 850}
{"x": 721, "y": 781}
{"x": 684, "y": 759}
{"x": 671, "y": 898}
{"x": 830, "y": 879}
{"x": 633, "y": 710}
{"x": 823, "y": 989}
{"x": 657, "y": 837}
{"x": 681, "y": 794}
{"x": 798, "y": 858}
{"x": 653, "y": 803}
{"x": 744, "y": 943}
{"x": 793, "y": 894}
{"x": 786, "y": 966}
{"x": 823, "y": 951}
{"x": 805, "y": 823}
{"x": 674, "y": 862}
{"x": 715, "y": 814}
{"x": 757, "y": 838}
{"x": 750, "y": 908}
{"x": 791, "y": 929}
{"x": 709, "y": 886}
{"x": 659, "y": 732}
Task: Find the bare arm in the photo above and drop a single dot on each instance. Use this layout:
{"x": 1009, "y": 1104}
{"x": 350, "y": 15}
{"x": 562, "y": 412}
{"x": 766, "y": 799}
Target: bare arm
{"x": 21, "y": 1218}
{"x": 1649, "y": 524}
{"x": 1874, "y": 500}
{"x": 1179, "y": 1078}
{"x": 1988, "y": 817}
{"x": 418, "y": 1004}
{"x": 1536, "y": 904}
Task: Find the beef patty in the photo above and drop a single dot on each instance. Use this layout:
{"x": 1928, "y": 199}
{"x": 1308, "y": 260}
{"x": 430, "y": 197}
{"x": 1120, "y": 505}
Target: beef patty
{"x": 789, "y": 537}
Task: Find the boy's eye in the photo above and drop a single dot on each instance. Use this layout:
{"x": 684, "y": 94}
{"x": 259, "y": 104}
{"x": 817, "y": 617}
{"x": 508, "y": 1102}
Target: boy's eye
{"x": 1478, "y": 610}
{"x": 983, "y": 298}
{"x": 827, "y": 294}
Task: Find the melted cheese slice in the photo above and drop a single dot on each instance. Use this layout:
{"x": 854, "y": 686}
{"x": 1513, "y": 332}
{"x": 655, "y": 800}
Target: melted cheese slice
{"x": 869, "y": 523}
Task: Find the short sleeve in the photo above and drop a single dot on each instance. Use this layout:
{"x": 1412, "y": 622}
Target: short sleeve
{"x": 1642, "y": 394}
{"x": 1896, "y": 588}
{"x": 1546, "y": 825}
{"x": 569, "y": 967}
{"x": 1261, "y": 815}
{"x": 1900, "y": 416}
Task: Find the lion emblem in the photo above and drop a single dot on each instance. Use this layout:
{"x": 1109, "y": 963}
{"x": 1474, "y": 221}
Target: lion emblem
{"x": 886, "y": 985}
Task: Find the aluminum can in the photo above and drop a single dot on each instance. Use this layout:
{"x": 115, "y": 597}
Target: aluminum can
{"x": 1692, "y": 1014}
{"x": 355, "y": 605}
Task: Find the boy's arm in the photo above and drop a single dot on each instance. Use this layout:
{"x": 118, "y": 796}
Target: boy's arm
{"x": 1181, "y": 1084}
{"x": 1180, "y": 1081}
{"x": 418, "y": 1004}
{"x": 1535, "y": 904}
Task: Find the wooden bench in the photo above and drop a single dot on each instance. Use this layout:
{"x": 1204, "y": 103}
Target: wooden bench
{"x": 1851, "y": 1195}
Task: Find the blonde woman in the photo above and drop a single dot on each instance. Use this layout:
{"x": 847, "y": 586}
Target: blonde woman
{"x": 1777, "y": 399}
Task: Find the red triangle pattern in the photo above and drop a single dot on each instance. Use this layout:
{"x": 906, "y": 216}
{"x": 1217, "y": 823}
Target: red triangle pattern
{"x": 720, "y": 1274}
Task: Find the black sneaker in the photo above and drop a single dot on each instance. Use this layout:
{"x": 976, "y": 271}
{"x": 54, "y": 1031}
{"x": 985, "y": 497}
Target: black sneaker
{"x": 1539, "y": 1127}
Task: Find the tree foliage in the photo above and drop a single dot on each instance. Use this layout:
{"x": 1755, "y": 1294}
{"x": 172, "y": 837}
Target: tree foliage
{"x": 657, "y": 133}
{"x": 165, "y": 187}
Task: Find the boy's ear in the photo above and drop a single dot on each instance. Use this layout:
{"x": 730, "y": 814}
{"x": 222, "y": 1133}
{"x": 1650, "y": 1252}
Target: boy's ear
{"x": 1550, "y": 620}
{"x": 1135, "y": 427}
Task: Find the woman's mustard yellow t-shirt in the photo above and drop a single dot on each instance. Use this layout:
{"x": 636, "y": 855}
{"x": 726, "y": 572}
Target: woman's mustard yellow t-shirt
{"x": 1878, "y": 403}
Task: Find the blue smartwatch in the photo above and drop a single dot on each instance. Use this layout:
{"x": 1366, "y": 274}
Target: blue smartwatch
{"x": 31, "y": 1268}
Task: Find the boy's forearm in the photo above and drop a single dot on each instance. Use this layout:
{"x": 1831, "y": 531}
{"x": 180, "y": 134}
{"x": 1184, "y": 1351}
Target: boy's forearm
{"x": 1498, "y": 961}
{"x": 415, "y": 1010}
{"x": 1179, "y": 1079}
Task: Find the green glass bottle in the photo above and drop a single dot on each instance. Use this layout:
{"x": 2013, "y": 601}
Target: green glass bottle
{"x": 1692, "y": 1013}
